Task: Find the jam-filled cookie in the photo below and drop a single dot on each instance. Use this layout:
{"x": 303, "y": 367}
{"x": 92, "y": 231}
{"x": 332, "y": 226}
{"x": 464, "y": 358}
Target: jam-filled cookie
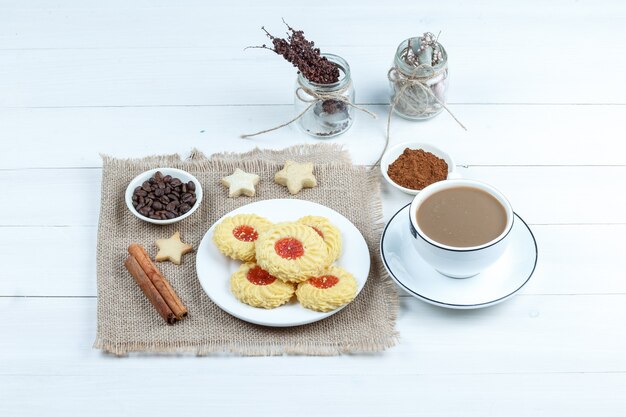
{"x": 236, "y": 236}
{"x": 254, "y": 286}
{"x": 292, "y": 252}
{"x": 327, "y": 291}
{"x": 328, "y": 232}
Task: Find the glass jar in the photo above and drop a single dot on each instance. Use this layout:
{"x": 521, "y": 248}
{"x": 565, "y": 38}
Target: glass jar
{"x": 325, "y": 116}
{"x": 418, "y": 91}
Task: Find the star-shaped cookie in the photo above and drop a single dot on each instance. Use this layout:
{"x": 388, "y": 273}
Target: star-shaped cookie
{"x": 172, "y": 249}
{"x": 296, "y": 176}
{"x": 240, "y": 182}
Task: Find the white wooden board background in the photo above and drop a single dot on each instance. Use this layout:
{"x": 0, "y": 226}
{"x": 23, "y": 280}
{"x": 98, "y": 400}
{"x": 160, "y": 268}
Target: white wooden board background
{"x": 540, "y": 86}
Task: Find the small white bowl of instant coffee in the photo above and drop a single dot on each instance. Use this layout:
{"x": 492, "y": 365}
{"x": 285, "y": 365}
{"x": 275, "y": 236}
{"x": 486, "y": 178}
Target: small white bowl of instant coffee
{"x": 163, "y": 195}
{"x": 460, "y": 227}
{"x": 412, "y": 166}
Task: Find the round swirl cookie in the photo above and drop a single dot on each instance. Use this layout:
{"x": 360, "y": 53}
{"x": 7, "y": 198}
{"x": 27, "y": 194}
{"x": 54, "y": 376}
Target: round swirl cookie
{"x": 328, "y": 232}
{"x": 292, "y": 252}
{"x": 251, "y": 285}
{"x": 236, "y": 236}
{"x": 331, "y": 289}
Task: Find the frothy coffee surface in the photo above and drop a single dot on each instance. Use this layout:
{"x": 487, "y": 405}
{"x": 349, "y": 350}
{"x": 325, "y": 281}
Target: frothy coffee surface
{"x": 461, "y": 217}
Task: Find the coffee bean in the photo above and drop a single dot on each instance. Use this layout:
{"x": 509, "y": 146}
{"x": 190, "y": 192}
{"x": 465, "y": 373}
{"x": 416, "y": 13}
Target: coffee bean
{"x": 164, "y": 197}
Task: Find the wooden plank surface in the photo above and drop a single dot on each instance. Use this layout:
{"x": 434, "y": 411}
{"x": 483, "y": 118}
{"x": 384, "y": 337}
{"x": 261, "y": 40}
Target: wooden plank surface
{"x": 192, "y": 52}
{"x": 539, "y": 86}
{"x": 513, "y": 395}
{"x": 497, "y": 135}
{"x": 157, "y": 77}
{"x": 528, "y": 334}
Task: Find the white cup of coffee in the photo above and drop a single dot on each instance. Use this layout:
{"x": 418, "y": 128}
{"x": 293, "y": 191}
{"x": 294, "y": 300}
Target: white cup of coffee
{"x": 459, "y": 226}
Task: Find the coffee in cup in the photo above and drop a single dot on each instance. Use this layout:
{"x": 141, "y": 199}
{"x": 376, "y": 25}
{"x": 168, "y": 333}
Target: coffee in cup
{"x": 460, "y": 226}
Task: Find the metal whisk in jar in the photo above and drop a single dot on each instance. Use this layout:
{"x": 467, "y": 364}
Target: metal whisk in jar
{"x": 419, "y": 78}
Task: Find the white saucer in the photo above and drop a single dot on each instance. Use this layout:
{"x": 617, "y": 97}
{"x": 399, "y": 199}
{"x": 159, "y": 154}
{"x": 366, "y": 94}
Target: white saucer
{"x": 494, "y": 285}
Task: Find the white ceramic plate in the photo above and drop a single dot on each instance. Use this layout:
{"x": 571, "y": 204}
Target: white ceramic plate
{"x": 214, "y": 269}
{"x": 494, "y": 285}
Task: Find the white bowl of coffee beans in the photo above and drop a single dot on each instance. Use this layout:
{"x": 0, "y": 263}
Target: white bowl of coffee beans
{"x": 163, "y": 195}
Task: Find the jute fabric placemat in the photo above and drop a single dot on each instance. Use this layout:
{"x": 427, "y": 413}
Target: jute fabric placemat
{"x": 127, "y": 322}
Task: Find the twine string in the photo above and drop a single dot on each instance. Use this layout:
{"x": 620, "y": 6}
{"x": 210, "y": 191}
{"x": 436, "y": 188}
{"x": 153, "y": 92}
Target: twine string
{"x": 396, "y": 76}
{"x": 316, "y": 96}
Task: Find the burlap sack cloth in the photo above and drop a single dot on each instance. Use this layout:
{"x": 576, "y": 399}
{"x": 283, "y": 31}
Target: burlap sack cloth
{"x": 127, "y": 322}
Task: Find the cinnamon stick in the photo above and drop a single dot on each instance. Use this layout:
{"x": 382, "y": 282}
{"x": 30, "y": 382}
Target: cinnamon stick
{"x": 149, "y": 290}
{"x": 158, "y": 280}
